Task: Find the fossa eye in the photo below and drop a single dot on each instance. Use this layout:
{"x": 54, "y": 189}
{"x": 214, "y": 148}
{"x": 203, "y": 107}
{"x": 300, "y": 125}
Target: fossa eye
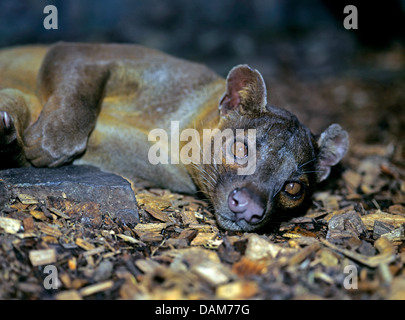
{"x": 239, "y": 149}
{"x": 293, "y": 189}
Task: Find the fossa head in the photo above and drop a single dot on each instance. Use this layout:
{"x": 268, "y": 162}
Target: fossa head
{"x": 289, "y": 159}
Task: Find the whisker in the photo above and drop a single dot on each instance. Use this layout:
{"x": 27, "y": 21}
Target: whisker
{"x": 308, "y": 162}
{"x": 269, "y": 128}
{"x": 314, "y": 171}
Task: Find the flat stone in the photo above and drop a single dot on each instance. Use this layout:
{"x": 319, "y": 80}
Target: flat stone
{"x": 81, "y": 184}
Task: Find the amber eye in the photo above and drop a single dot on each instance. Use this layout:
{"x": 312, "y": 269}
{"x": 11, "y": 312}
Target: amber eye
{"x": 239, "y": 150}
{"x": 294, "y": 189}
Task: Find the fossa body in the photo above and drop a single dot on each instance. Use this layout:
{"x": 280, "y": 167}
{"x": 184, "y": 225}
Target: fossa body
{"x": 97, "y": 103}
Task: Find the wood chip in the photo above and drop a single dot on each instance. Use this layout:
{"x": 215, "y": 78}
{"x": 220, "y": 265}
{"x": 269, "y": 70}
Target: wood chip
{"x": 26, "y": 235}
{"x": 395, "y": 235}
{"x": 338, "y": 212}
{"x": 28, "y": 224}
{"x": 328, "y": 257}
{"x": 381, "y": 228}
{"x": 246, "y": 267}
{"x": 397, "y": 209}
{"x": 259, "y": 248}
{"x": 95, "y": 288}
{"x": 84, "y": 244}
{"x": 177, "y": 251}
{"x": 397, "y": 291}
{"x": 392, "y": 219}
{"x": 10, "y": 225}
{"x": 150, "y": 236}
{"x": 69, "y": 295}
{"x": 214, "y": 273}
{"x": 94, "y": 251}
{"x": 150, "y": 227}
{"x": 188, "y": 217}
{"x": 352, "y": 179}
{"x": 303, "y": 254}
{"x": 49, "y": 230}
{"x": 345, "y": 225}
{"x": 27, "y": 199}
{"x": 147, "y": 265}
{"x": 158, "y": 214}
{"x": 202, "y": 238}
{"x": 42, "y": 257}
{"x": 237, "y": 290}
{"x": 130, "y": 239}
{"x": 387, "y": 253}
{"x": 330, "y": 202}
{"x": 201, "y": 227}
{"x": 39, "y": 215}
{"x": 59, "y": 213}
{"x": 188, "y": 234}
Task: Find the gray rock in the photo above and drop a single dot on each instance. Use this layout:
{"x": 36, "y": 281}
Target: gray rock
{"x": 81, "y": 184}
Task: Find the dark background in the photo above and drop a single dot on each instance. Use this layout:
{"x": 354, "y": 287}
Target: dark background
{"x": 311, "y": 63}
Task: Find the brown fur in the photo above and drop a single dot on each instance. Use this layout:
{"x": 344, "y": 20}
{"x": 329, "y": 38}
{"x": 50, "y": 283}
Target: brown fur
{"x": 96, "y": 104}
{"x": 133, "y": 89}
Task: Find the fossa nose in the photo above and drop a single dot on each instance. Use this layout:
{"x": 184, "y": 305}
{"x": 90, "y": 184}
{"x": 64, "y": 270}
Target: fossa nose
{"x": 245, "y": 205}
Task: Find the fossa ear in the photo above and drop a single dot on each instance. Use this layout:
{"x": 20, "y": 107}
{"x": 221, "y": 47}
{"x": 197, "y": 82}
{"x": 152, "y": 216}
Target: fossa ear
{"x": 245, "y": 92}
{"x": 333, "y": 144}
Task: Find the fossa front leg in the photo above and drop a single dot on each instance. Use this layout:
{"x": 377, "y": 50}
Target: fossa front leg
{"x": 14, "y": 118}
{"x": 72, "y": 96}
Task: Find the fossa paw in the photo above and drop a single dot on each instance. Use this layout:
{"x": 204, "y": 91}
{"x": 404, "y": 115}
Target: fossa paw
{"x": 7, "y": 129}
{"x": 49, "y": 143}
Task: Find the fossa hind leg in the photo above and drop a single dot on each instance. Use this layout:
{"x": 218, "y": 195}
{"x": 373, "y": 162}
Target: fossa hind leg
{"x": 71, "y": 94}
{"x": 14, "y": 118}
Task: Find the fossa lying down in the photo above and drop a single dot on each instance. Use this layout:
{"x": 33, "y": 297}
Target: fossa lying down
{"x": 109, "y": 105}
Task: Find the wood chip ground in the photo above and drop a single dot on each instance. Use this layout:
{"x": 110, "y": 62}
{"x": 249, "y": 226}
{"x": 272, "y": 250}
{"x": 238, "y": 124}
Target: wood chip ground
{"x": 349, "y": 245}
